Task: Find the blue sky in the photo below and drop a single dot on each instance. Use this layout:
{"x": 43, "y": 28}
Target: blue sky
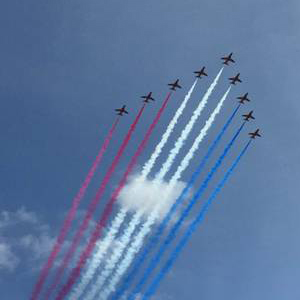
{"x": 66, "y": 65}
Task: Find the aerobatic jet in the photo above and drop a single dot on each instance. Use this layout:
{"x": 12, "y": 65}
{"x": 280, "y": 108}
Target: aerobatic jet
{"x": 235, "y": 79}
{"x": 148, "y": 97}
{"x": 228, "y": 59}
{"x": 254, "y": 134}
{"x": 200, "y": 73}
{"x": 121, "y": 110}
{"x": 174, "y": 85}
{"x": 243, "y": 98}
{"x": 248, "y": 116}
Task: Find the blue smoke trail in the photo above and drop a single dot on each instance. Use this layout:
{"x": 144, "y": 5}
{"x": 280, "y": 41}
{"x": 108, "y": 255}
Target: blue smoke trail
{"x": 185, "y": 213}
{"x": 198, "y": 220}
{"x": 183, "y": 216}
{"x": 171, "y": 212}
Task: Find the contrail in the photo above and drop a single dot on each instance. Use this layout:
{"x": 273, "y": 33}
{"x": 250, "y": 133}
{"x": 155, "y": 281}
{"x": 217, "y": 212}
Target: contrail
{"x": 150, "y": 163}
{"x": 125, "y": 263}
{"x": 71, "y": 214}
{"x": 116, "y": 255}
{"x": 172, "y": 234}
{"x": 146, "y": 228}
{"x": 108, "y": 208}
{"x": 180, "y": 142}
{"x": 145, "y": 172}
{"x": 93, "y": 205}
{"x": 101, "y": 248}
{"x": 192, "y": 228}
{"x": 187, "y": 130}
{"x": 184, "y": 164}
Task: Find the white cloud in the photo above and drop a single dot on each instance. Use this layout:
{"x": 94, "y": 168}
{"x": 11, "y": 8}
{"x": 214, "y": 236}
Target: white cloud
{"x": 39, "y": 245}
{"x": 20, "y": 216}
{"x": 8, "y": 260}
{"x": 25, "y": 240}
{"x": 32, "y": 243}
{"x": 144, "y": 195}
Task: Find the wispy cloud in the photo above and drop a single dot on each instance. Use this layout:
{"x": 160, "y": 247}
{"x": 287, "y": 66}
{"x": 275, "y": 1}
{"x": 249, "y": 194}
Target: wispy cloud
{"x": 8, "y": 260}
{"x": 22, "y": 215}
{"x": 21, "y": 233}
{"x": 26, "y": 240}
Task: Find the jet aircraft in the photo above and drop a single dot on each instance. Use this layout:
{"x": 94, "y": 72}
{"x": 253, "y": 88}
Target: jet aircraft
{"x": 174, "y": 85}
{"x": 200, "y": 73}
{"x": 254, "y": 134}
{"x": 121, "y": 110}
{"x": 243, "y": 98}
{"x": 148, "y": 97}
{"x": 228, "y": 59}
{"x": 235, "y": 79}
{"x": 249, "y": 116}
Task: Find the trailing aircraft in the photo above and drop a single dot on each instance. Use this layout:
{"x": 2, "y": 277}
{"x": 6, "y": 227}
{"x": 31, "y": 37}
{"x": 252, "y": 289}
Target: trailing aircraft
{"x": 254, "y": 134}
{"x": 228, "y": 59}
{"x": 121, "y": 110}
{"x": 148, "y": 97}
{"x": 174, "y": 85}
{"x": 235, "y": 79}
{"x": 248, "y": 116}
{"x": 243, "y": 98}
{"x": 200, "y": 73}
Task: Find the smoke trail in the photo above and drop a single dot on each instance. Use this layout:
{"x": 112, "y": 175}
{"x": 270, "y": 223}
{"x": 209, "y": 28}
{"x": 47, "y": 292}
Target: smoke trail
{"x": 93, "y": 205}
{"x": 186, "y": 131}
{"x": 129, "y": 256}
{"x": 172, "y": 234}
{"x": 71, "y": 214}
{"x": 146, "y": 170}
{"x": 185, "y": 162}
{"x": 150, "y": 163}
{"x": 108, "y": 208}
{"x": 191, "y": 229}
{"x": 116, "y": 255}
{"x": 153, "y": 241}
{"x": 179, "y": 143}
{"x": 101, "y": 248}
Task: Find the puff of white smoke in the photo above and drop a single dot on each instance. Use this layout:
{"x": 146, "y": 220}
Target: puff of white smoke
{"x": 142, "y": 195}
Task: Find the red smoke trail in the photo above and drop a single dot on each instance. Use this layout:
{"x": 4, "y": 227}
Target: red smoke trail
{"x": 108, "y": 209}
{"x": 71, "y": 215}
{"x": 92, "y": 207}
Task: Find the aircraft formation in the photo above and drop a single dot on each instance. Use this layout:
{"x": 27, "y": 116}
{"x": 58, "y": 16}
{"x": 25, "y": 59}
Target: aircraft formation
{"x": 233, "y": 80}
{"x": 104, "y": 269}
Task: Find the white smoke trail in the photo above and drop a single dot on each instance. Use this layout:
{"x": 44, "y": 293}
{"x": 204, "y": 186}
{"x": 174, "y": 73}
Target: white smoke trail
{"x": 116, "y": 255}
{"x": 150, "y": 163}
{"x": 179, "y": 143}
{"x": 101, "y": 248}
{"x": 187, "y": 130}
{"x": 185, "y": 162}
{"x": 150, "y": 191}
{"x": 129, "y": 256}
{"x": 146, "y": 227}
{"x": 98, "y": 256}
